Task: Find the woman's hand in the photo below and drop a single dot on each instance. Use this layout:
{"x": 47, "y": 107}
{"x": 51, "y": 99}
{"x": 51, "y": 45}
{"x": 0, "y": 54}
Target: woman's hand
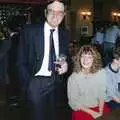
{"x": 96, "y": 114}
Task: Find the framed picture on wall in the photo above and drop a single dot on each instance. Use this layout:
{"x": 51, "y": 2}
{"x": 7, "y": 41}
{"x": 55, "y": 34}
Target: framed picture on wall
{"x": 84, "y": 30}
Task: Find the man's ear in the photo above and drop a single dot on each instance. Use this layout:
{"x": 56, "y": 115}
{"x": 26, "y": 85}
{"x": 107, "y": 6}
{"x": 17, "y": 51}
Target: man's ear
{"x": 64, "y": 13}
{"x": 45, "y": 12}
{"x": 115, "y": 60}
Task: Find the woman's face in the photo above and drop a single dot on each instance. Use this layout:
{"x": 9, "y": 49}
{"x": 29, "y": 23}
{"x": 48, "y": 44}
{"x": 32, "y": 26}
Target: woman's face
{"x": 86, "y": 60}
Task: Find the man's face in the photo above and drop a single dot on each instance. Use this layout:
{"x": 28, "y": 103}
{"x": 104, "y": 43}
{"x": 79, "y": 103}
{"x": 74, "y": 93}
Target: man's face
{"x": 55, "y": 13}
{"x": 117, "y": 62}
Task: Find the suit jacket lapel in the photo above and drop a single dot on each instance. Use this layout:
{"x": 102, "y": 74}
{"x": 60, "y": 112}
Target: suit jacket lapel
{"x": 60, "y": 41}
{"x": 39, "y": 44}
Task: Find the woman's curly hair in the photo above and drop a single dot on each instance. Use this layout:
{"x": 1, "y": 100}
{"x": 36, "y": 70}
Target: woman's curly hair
{"x": 97, "y": 62}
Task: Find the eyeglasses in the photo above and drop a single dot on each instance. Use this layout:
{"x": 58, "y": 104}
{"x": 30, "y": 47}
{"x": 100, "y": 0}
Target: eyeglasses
{"x": 52, "y": 12}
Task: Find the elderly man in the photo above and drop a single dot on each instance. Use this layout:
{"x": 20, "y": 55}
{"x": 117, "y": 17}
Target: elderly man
{"x": 40, "y": 46}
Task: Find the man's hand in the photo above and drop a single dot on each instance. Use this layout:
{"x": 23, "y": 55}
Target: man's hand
{"x": 63, "y": 67}
{"x": 116, "y": 99}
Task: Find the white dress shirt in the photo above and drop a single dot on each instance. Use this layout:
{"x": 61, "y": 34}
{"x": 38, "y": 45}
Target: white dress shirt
{"x": 44, "y": 67}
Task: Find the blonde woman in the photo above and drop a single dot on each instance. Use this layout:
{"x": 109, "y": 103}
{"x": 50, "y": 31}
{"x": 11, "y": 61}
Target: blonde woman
{"x": 86, "y": 85}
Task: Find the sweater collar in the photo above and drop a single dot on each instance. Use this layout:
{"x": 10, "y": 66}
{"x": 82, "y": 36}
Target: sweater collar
{"x": 112, "y": 69}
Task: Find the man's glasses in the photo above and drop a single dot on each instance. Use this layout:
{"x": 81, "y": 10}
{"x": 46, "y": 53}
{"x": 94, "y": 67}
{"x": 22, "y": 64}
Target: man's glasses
{"x": 52, "y": 12}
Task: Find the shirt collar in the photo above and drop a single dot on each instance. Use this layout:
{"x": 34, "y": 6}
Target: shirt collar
{"x": 48, "y": 27}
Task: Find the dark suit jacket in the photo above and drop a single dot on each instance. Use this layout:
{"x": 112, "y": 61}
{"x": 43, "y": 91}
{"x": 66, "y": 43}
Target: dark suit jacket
{"x": 4, "y": 48}
{"x": 31, "y": 50}
{"x": 12, "y": 59}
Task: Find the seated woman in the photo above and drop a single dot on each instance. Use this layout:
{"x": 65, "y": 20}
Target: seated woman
{"x": 86, "y": 86}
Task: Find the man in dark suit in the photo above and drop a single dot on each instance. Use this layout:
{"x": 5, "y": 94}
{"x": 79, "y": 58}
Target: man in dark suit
{"x": 36, "y": 69}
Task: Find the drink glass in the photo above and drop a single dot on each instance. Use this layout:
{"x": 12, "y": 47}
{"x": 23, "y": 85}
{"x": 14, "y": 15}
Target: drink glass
{"x": 60, "y": 61}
